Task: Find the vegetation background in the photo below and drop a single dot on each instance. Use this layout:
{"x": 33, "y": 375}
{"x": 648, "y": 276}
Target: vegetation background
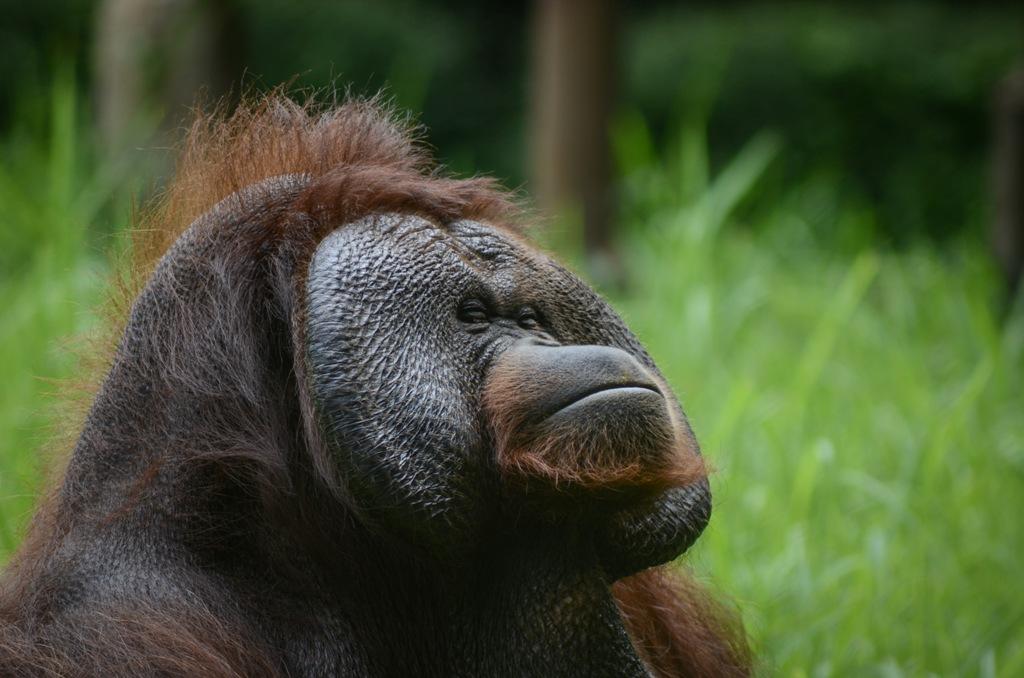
{"x": 803, "y": 197}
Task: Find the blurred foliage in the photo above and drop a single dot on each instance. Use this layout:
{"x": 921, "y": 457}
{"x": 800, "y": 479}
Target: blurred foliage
{"x": 862, "y": 414}
{"x": 52, "y": 274}
{"x": 890, "y": 102}
{"x": 884, "y": 105}
{"x": 459, "y": 66}
{"x": 33, "y": 35}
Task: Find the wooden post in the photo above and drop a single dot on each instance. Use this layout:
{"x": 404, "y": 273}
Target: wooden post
{"x": 153, "y": 59}
{"x": 572, "y": 92}
{"x": 1008, "y": 227}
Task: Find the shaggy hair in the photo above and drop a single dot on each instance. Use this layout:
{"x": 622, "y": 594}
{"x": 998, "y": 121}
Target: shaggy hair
{"x": 354, "y": 159}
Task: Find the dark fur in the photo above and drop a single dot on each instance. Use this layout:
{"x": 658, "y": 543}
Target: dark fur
{"x": 203, "y": 438}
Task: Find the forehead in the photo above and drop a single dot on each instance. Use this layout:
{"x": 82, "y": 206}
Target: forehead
{"x": 408, "y": 245}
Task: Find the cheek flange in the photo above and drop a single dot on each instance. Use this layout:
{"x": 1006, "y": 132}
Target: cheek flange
{"x": 400, "y": 433}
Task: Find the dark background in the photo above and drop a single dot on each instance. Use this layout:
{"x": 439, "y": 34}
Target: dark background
{"x": 892, "y": 101}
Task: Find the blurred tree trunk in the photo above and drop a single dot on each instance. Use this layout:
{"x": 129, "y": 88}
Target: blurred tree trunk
{"x": 572, "y": 88}
{"x": 1008, "y": 228}
{"x": 154, "y": 59}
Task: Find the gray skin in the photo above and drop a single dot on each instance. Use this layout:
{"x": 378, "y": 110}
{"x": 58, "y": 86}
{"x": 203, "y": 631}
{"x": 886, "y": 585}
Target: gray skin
{"x": 194, "y": 490}
{"x": 405, "y": 320}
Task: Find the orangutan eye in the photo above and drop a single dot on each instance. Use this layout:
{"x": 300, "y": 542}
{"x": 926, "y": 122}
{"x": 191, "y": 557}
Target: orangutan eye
{"x": 528, "y": 319}
{"x": 474, "y": 312}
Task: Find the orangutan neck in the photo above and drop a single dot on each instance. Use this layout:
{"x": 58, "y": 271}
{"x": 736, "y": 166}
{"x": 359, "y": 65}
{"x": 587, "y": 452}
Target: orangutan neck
{"x": 525, "y": 608}
{"x": 550, "y": 616}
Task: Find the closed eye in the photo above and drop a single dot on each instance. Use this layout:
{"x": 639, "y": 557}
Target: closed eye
{"x": 528, "y": 319}
{"x": 474, "y": 312}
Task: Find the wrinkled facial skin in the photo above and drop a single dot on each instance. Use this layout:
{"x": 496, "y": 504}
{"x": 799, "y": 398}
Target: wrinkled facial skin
{"x": 460, "y": 376}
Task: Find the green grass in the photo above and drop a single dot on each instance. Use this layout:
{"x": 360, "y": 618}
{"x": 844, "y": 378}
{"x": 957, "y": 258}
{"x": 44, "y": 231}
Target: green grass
{"x": 865, "y": 415}
{"x": 51, "y": 280}
{"x": 864, "y": 409}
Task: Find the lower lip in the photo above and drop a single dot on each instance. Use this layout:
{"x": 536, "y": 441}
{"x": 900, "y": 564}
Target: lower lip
{"x": 610, "y": 394}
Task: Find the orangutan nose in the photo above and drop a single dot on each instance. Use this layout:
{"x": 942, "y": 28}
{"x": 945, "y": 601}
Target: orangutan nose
{"x": 588, "y": 419}
{"x": 563, "y": 378}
